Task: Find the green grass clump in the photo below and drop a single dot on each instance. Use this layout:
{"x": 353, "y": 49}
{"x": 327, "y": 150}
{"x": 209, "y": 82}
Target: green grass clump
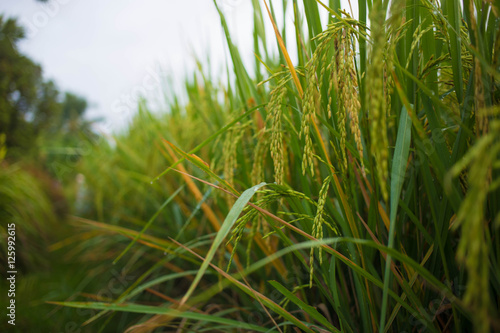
{"x": 379, "y": 150}
{"x": 33, "y": 204}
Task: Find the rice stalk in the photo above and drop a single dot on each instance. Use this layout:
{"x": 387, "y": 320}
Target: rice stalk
{"x": 473, "y": 249}
{"x": 275, "y": 110}
{"x": 317, "y": 229}
{"x": 376, "y": 101}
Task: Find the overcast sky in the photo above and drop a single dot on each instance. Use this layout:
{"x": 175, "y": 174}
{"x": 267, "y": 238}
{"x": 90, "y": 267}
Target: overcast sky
{"x": 110, "y": 51}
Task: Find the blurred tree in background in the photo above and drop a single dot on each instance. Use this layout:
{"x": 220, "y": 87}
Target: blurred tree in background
{"x": 19, "y": 81}
{"x": 42, "y": 135}
{"x": 31, "y": 107}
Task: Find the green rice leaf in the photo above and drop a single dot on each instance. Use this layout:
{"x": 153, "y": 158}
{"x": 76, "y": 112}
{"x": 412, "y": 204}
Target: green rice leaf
{"x": 399, "y": 161}
{"x": 221, "y": 235}
{"x": 146, "y": 309}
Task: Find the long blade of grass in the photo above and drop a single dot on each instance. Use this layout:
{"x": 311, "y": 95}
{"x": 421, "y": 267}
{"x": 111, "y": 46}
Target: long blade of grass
{"x": 228, "y": 223}
{"x": 399, "y": 162}
{"x": 245, "y": 86}
{"x": 285, "y": 54}
{"x": 452, "y": 9}
{"x": 125, "y": 232}
{"x": 313, "y": 21}
{"x": 146, "y": 309}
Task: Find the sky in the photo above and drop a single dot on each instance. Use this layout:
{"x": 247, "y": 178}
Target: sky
{"x": 112, "y": 51}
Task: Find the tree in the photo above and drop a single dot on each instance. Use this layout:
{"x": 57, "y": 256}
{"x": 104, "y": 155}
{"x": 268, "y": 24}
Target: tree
{"x": 19, "y": 82}
{"x": 31, "y": 107}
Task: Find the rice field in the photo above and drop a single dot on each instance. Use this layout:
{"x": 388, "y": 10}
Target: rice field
{"x": 348, "y": 182}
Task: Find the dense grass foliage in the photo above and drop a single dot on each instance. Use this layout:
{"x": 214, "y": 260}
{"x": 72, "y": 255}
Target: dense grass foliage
{"x": 379, "y": 149}
{"x": 35, "y": 204}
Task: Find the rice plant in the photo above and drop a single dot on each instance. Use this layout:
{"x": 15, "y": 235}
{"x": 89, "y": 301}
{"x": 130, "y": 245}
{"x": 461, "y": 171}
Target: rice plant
{"x": 355, "y": 189}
